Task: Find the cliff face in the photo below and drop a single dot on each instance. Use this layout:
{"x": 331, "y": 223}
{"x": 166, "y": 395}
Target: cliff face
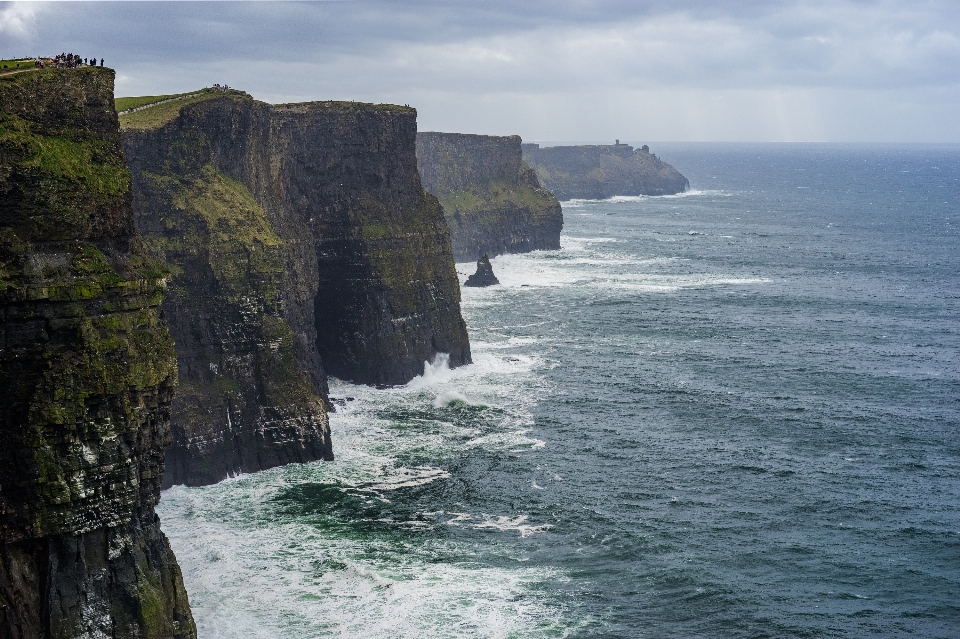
{"x": 493, "y": 201}
{"x": 246, "y": 401}
{"x": 87, "y": 368}
{"x": 600, "y": 171}
{"x": 298, "y": 234}
{"x": 389, "y": 297}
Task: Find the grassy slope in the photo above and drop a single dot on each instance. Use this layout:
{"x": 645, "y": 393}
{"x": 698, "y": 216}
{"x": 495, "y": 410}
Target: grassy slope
{"x": 13, "y": 65}
{"x": 156, "y": 116}
{"x": 122, "y": 104}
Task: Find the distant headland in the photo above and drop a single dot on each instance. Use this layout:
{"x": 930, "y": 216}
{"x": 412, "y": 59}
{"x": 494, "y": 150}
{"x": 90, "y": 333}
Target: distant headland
{"x": 599, "y": 171}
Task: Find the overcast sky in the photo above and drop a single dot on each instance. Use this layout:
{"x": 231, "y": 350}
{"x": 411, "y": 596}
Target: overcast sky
{"x": 698, "y": 70}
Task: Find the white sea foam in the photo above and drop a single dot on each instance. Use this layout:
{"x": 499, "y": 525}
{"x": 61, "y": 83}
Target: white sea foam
{"x": 248, "y": 579}
{"x": 451, "y": 398}
{"x": 579, "y": 265}
{"x": 511, "y": 440}
{"x": 435, "y": 372}
{"x": 500, "y": 524}
{"x": 410, "y": 477}
{"x": 578, "y": 203}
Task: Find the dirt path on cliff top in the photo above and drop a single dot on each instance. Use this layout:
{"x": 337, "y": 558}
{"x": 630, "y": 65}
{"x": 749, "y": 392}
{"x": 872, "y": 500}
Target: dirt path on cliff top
{"x": 15, "y": 71}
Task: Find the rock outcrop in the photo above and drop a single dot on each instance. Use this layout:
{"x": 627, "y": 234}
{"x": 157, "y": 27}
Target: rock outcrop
{"x": 595, "y": 172}
{"x": 298, "y": 234}
{"x": 87, "y": 369}
{"x": 484, "y": 275}
{"x": 492, "y": 200}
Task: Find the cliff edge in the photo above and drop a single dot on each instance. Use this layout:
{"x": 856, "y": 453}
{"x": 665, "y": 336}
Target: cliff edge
{"x": 492, "y": 201}
{"x": 596, "y": 172}
{"x": 87, "y": 369}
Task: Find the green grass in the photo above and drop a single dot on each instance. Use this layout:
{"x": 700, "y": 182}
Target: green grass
{"x": 348, "y": 107}
{"x": 64, "y": 159}
{"x": 13, "y": 65}
{"x": 68, "y": 160}
{"x": 122, "y": 104}
{"x": 157, "y": 116}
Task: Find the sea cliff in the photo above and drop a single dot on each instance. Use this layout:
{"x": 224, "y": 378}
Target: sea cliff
{"x": 389, "y": 297}
{"x": 246, "y": 401}
{"x": 492, "y": 201}
{"x": 603, "y": 170}
{"x": 87, "y": 369}
{"x": 302, "y": 242}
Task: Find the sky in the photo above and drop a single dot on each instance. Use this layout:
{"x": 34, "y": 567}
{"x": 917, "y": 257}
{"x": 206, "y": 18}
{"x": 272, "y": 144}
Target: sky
{"x": 573, "y": 70}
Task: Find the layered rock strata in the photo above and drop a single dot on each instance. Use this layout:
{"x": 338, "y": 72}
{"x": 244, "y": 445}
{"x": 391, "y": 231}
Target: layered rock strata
{"x": 389, "y": 297}
{"x": 246, "y": 402}
{"x": 88, "y": 371}
{"x": 492, "y": 201}
{"x": 600, "y": 171}
{"x": 298, "y": 234}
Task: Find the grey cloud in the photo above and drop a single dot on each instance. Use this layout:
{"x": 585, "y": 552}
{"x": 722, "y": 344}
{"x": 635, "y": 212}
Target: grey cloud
{"x": 498, "y": 59}
{"x": 678, "y": 43}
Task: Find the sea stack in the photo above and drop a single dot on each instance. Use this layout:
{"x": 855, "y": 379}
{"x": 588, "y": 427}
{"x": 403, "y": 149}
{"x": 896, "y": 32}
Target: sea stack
{"x": 599, "y": 171}
{"x": 87, "y": 369}
{"x": 484, "y": 275}
{"x": 492, "y": 201}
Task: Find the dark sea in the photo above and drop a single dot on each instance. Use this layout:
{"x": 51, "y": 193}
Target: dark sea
{"x": 729, "y": 413}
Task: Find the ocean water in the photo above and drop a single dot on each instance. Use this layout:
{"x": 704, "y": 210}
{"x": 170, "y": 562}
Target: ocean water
{"x": 730, "y": 413}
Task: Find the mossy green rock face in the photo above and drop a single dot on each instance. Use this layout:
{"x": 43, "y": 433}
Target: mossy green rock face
{"x": 245, "y": 402}
{"x": 492, "y": 201}
{"x": 369, "y": 285}
{"x": 87, "y": 369}
{"x": 599, "y": 171}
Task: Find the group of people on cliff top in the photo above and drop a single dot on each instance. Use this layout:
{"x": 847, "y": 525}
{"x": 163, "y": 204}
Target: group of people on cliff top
{"x": 67, "y": 61}
{"x": 220, "y": 87}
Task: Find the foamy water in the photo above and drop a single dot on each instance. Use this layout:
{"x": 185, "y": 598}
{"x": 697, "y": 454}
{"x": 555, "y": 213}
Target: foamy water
{"x": 256, "y": 562}
{"x": 727, "y": 414}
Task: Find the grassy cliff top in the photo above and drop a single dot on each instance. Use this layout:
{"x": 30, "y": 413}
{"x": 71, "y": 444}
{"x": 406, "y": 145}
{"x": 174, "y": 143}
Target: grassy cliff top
{"x": 153, "y": 111}
{"x": 124, "y": 104}
{"x": 9, "y": 66}
{"x": 347, "y": 107}
{"x": 28, "y": 72}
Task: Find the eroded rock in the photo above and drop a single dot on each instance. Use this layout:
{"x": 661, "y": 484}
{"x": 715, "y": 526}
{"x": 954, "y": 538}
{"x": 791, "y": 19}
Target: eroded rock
{"x": 484, "y": 275}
